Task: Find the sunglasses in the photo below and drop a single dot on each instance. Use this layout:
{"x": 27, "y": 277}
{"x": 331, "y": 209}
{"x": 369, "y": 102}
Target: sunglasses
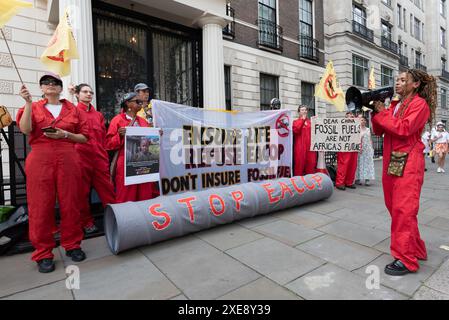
{"x": 48, "y": 82}
{"x": 137, "y": 101}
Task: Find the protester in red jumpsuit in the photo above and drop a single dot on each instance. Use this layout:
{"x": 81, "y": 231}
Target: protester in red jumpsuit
{"x": 346, "y": 167}
{"x": 402, "y": 125}
{"x": 304, "y": 160}
{"x": 131, "y": 105}
{"x": 94, "y": 159}
{"x": 52, "y": 170}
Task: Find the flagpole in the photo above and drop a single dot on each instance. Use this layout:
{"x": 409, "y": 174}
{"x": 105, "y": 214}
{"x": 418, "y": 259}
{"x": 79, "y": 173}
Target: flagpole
{"x": 12, "y": 57}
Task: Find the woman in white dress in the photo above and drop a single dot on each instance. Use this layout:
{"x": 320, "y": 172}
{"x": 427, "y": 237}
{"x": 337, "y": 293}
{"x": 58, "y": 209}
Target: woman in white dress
{"x": 425, "y": 138}
{"x": 365, "y": 164}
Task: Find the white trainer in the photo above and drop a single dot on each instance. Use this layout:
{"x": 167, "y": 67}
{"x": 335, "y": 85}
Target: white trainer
{"x": 442, "y": 170}
{"x": 439, "y": 170}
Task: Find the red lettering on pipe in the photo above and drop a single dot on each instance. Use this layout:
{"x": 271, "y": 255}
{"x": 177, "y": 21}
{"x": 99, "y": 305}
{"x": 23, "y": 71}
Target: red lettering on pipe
{"x": 285, "y": 188}
{"x": 212, "y": 206}
{"x": 188, "y": 203}
{"x": 158, "y": 226}
{"x": 318, "y": 180}
{"x": 270, "y": 191}
{"x": 308, "y": 186}
{"x": 298, "y": 189}
{"x": 237, "y": 196}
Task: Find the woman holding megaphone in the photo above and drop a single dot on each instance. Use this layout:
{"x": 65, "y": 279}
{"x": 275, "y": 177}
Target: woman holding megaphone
{"x": 403, "y": 164}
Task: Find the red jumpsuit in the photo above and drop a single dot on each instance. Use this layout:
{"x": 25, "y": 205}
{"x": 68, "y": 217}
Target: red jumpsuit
{"x": 346, "y": 168}
{"x": 403, "y": 133}
{"x": 53, "y": 172}
{"x": 94, "y": 163}
{"x": 304, "y": 160}
{"x": 114, "y": 141}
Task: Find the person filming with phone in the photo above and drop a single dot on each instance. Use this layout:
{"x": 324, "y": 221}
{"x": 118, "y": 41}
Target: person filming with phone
{"x": 53, "y": 126}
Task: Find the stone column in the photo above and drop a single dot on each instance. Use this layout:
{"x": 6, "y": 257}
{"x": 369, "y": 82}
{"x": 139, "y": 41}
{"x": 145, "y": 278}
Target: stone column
{"x": 83, "y": 69}
{"x": 213, "y": 65}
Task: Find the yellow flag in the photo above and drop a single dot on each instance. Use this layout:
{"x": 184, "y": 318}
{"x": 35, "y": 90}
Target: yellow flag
{"x": 61, "y": 48}
{"x": 329, "y": 90}
{"x": 144, "y": 112}
{"x": 371, "y": 80}
{"x": 9, "y": 8}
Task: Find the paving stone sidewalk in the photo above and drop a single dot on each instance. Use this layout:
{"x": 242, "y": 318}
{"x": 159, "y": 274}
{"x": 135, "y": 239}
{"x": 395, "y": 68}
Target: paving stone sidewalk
{"x": 317, "y": 251}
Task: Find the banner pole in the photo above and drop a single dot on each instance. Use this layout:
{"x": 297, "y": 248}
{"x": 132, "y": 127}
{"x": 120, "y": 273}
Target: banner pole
{"x": 12, "y": 57}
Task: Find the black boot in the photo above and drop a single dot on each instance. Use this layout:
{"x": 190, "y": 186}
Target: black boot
{"x": 396, "y": 268}
{"x": 352, "y": 186}
{"x": 46, "y": 265}
{"x": 77, "y": 255}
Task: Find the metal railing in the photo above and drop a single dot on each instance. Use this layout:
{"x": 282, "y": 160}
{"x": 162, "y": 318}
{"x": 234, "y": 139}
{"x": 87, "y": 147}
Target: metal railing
{"x": 308, "y": 48}
{"x": 229, "y": 30}
{"x": 421, "y": 67}
{"x": 270, "y": 34}
{"x": 389, "y": 45}
{"x": 403, "y": 61}
{"x": 362, "y": 31}
{"x": 12, "y": 182}
{"x": 378, "y": 145}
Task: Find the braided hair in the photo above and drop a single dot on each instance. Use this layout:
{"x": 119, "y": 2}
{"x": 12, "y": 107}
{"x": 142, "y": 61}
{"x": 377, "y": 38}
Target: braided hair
{"x": 426, "y": 90}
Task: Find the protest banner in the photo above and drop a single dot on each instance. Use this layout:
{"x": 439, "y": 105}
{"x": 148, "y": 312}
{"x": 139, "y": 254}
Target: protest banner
{"x": 142, "y": 146}
{"x": 203, "y": 149}
{"x": 335, "y": 134}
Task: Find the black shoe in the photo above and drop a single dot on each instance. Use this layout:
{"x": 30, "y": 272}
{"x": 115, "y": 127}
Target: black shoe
{"x": 352, "y": 186}
{"x": 77, "y": 255}
{"x": 46, "y": 265}
{"x": 340, "y": 187}
{"x": 90, "y": 230}
{"x": 396, "y": 268}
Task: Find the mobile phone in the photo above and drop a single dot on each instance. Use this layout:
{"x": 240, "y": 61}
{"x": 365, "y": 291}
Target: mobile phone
{"x": 49, "y": 129}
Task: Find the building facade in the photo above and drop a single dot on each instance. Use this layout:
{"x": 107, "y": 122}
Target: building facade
{"x": 276, "y": 49}
{"x": 213, "y": 54}
{"x": 391, "y": 36}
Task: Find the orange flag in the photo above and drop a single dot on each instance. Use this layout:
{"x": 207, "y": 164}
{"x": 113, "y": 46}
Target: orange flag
{"x": 372, "y": 80}
{"x": 61, "y": 49}
{"x": 329, "y": 90}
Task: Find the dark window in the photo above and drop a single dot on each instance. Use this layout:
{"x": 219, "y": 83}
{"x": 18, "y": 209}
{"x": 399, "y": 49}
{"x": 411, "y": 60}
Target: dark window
{"x": 443, "y": 98}
{"x": 308, "y": 96}
{"x": 122, "y": 62}
{"x": 269, "y": 89}
{"x": 306, "y": 15}
{"x": 418, "y": 58}
{"x": 270, "y": 33}
{"x": 308, "y": 45}
{"x": 443, "y": 37}
{"x": 228, "y": 93}
{"x": 267, "y": 10}
{"x": 417, "y": 29}
{"x": 359, "y": 71}
{"x": 386, "y": 76}
{"x": 132, "y": 48}
{"x": 386, "y": 31}
{"x": 359, "y": 15}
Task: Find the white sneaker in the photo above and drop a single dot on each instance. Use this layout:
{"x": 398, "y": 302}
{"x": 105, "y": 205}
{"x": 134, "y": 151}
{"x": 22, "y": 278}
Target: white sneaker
{"x": 439, "y": 170}
{"x": 442, "y": 170}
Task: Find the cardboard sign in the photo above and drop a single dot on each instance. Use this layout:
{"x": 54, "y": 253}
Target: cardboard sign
{"x": 335, "y": 135}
